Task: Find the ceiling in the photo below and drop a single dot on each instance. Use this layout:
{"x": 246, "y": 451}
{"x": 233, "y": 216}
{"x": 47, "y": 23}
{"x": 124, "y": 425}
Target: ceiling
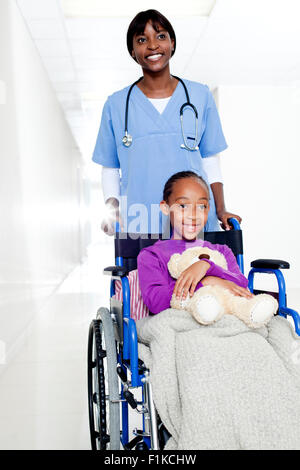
{"x": 82, "y": 44}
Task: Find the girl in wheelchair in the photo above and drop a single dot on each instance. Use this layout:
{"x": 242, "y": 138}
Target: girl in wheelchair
{"x": 215, "y": 385}
{"x": 186, "y": 202}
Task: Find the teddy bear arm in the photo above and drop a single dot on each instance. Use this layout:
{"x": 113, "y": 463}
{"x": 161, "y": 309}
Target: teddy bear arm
{"x": 173, "y": 265}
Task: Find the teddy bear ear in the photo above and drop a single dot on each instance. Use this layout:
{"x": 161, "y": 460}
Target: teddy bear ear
{"x": 173, "y": 265}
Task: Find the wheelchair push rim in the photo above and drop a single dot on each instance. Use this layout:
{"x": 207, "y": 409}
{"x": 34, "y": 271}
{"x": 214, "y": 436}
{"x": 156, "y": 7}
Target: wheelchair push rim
{"x": 103, "y": 384}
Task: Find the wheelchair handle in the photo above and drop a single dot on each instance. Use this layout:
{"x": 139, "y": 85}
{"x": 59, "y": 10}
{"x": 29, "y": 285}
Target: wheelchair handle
{"x": 235, "y": 223}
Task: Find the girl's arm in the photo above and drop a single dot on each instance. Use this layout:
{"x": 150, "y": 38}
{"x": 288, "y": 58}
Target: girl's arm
{"x": 155, "y": 282}
{"x": 206, "y": 272}
{"x": 229, "y": 285}
{"x": 233, "y": 273}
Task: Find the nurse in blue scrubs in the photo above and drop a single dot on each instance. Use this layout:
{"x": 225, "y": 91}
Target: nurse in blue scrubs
{"x": 156, "y": 151}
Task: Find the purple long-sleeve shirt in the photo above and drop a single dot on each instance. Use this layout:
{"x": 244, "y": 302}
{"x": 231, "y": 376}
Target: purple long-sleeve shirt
{"x": 156, "y": 283}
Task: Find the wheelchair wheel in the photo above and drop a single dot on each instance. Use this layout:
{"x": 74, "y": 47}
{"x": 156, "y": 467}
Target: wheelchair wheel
{"x": 103, "y": 384}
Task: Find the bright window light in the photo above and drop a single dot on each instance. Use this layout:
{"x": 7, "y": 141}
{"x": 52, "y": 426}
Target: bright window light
{"x": 121, "y": 8}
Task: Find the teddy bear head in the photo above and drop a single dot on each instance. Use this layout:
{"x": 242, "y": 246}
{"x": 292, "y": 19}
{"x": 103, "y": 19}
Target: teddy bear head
{"x": 179, "y": 262}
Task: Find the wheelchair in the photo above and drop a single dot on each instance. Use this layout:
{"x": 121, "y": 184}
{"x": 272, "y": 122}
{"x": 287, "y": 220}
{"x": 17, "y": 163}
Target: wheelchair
{"x": 116, "y": 375}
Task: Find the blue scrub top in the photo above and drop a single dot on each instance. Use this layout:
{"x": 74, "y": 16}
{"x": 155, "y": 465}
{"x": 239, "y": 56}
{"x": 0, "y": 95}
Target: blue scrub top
{"x": 156, "y": 153}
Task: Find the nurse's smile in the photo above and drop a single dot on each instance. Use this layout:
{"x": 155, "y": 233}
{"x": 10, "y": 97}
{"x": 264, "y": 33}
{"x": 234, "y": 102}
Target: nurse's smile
{"x": 154, "y": 57}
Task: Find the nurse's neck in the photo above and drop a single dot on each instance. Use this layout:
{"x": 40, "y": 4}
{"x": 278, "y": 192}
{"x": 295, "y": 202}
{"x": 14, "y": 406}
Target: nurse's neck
{"x": 159, "y": 84}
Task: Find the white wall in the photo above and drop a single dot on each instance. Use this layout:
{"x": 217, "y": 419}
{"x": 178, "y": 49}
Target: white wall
{"x": 40, "y": 184}
{"x": 261, "y": 169}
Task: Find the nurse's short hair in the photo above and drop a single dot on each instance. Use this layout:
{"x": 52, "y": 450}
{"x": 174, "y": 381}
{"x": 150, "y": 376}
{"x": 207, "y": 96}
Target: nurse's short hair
{"x": 138, "y": 24}
{"x": 179, "y": 176}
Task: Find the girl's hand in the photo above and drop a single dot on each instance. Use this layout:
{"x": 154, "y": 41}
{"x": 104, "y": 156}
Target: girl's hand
{"x": 231, "y": 286}
{"x": 189, "y": 279}
{"x": 224, "y": 216}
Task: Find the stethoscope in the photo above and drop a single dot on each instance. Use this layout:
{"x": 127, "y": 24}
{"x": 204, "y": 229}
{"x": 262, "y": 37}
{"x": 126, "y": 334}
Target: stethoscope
{"x": 127, "y": 139}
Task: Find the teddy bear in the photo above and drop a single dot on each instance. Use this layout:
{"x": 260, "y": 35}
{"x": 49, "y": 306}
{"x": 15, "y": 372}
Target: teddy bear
{"x": 210, "y": 303}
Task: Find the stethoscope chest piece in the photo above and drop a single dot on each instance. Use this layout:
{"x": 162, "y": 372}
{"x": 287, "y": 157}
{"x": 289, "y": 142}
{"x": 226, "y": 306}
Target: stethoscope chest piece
{"x": 127, "y": 139}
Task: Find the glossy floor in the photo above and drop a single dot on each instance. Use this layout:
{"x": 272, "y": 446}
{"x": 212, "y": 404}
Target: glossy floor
{"x": 43, "y": 391}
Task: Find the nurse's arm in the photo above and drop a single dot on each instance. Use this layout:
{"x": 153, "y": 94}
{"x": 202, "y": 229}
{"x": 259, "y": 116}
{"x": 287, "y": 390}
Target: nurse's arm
{"x": 232, "y": 273}
{"x": 110, "y": 179}
{"x": 222, "y": 214}
{"x": 111, "y": 193}
{"x": 156, "y": 287}
{"x": 212, "y": 168}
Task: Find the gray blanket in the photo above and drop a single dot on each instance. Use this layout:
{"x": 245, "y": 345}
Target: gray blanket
{"x": 223, "y": 386}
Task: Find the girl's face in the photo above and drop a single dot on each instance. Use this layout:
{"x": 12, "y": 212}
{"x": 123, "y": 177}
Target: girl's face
{"x": 188, "y": 207}
{"x": 153, "y": 49}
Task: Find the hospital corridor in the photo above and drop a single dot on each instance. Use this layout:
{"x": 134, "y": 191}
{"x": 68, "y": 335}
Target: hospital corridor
{"x": 59, "y": 62}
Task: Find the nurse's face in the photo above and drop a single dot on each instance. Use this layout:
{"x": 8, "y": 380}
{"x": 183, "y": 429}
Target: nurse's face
{"x": 153, "y": 49}
{"x": 187, "y": 207}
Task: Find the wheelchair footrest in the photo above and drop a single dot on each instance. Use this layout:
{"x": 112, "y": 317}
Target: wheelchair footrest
{"x": 129, "y": 397}
{"x": 137, "y": 443}
{"x": 121, "y": 374}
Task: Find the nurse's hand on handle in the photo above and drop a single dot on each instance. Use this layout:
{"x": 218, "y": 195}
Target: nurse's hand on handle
{"x": 112, "y": 216}
{"x": 225, "y": 216}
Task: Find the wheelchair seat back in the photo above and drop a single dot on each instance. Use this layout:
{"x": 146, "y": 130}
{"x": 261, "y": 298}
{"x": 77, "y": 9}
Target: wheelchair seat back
{"x": 128, "y": 246}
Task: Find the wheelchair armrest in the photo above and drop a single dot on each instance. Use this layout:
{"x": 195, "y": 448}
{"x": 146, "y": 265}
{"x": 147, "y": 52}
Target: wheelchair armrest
{"x": 119, "y": 271}
{"x": 270, "y": 264}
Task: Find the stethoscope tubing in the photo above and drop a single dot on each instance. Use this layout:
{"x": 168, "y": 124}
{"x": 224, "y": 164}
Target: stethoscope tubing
{"x": 127, "y": 139}
{"x": 127, "y": 103}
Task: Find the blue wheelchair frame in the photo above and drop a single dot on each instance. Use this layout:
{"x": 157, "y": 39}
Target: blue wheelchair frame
{"x": 130, "y": 354}
{"x": 283, "y": 310}
{"x": 130, "y": 342}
